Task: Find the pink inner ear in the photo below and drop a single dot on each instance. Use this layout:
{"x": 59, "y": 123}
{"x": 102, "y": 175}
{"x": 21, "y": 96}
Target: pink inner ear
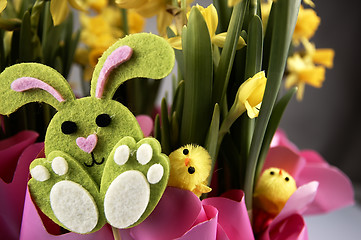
{"x": 120, "y": 55}
{"x": 26, "y": 83}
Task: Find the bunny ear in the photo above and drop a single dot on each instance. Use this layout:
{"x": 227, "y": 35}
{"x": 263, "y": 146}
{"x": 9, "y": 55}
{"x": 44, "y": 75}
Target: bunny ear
{"x": 32, "y": 82}
{"x": 141, "y": 55}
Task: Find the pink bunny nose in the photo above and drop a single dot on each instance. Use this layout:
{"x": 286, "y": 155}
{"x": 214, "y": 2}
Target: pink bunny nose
{"x": 87, "y": 144}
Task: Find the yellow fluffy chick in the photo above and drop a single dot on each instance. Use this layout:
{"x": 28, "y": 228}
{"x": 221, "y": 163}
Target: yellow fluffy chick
{"x": 274, "y": 188}
{"x": 190, "y": 167}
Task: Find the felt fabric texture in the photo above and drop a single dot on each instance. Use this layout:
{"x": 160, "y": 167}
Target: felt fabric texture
{"x": 32, "y": 227}
{"x": 152, "y": 58}
{"x": 112, "y": 171}
{"x": 74, "y": 206}
{"x": 126, "y": 199}
{"x": 41, "y": 191}
{"x": 87, "y": 144}
{"x": 117, "y": 57}
{"x": 12, "y": 193}
{"x": 84, "y": 112}
{"x": 90, "y": 145}
{"x": 27, "y": 83}
{"x": 15, "y": 99}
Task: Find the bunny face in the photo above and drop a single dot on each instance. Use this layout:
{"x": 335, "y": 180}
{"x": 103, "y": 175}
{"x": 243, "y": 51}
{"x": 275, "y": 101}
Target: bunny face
{"x": 97, "y": 168}
{"x": 90, "y": 135}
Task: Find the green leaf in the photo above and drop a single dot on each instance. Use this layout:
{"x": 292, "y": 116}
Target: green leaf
{"x": 212, "y": 136}
{"x": 10, "y": 24}
{"x": 157, "y": 131}
{"x": 223, "y": 71}
{"x": 273, "y": 125}
{"x": 285, "y": 19}
{"x": 26, "y": 47}
{"x": 254, "y": 47}
{"x": 165, "y": 129}
{"x": 197, "y": 52}
{"x": 211, "y": 140}
{"x": 174, "y": 136}
{"x": 178, "y": 101}
{"x": 224, "y": 14}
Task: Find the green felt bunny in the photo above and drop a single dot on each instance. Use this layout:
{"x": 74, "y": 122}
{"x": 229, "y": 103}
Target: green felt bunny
{"x": 98, "y": 167}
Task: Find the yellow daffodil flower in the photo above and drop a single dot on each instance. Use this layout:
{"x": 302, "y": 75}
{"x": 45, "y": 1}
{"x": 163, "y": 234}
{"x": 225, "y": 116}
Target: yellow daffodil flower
{"x": 306, "y": 25}
{"x": 150, "y": 8}
{"x": 249, "y": 98}
{"x": 211, "y": 18}
{"x": 59, "y": 9}
{"x": 250, "y": 94}
{"x": 323, "y": 56}
{"x": 302, "y": 72}
{"x": 3, "y": 4}
{"x": 101, "y": 31}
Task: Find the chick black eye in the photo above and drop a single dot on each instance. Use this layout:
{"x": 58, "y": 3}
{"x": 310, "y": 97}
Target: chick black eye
{"x": 185, "y": 151}
{"x": 191, "y": 170}
{"x": 272, "y": 173}
{"x": 287, "y": 179}
{"x": 103, "y": 120}
{"x": 68, "y": 127}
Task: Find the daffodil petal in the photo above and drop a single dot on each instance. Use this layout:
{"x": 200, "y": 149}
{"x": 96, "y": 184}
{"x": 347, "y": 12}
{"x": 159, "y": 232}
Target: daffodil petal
{"x": 130, "y": 3}
{"x": 220, "y": 39}
{"x": 164, "y": 19}
{"x": 252, "y": 112}
{"x": 59, "y": 11}
{"x": 176, "y": 42}
{"x": 324, "y": 57}
{"x": 77, "y": 4}
{"x": 3, "y": 5}
{"x": 309, "y": 3}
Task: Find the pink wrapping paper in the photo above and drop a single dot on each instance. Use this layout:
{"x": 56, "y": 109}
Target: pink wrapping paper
{"x": 181, "y": 215}
{"x": 16, "y": 154}
{"x": 32, "y": 227}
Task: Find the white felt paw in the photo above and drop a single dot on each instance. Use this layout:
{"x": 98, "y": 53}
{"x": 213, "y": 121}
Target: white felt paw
{"x": 144, "y": 153}
{"x": 155, "y": 173}
{"x": 73, "y": 206}
{"x": 126, "y": 199}
{"x": 59, "y": 166}
{"x": 40, "y": 173}
{"x": 121, "y": 154}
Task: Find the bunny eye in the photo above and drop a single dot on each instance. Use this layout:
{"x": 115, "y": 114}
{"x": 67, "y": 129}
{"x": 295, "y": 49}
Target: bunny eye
{"x": 68, "y": 127}
{"x": 103, "y": 120}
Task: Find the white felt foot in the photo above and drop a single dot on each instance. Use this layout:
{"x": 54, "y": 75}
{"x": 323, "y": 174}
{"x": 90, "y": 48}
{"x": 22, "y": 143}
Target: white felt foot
{"x": 144, "y": 153}
{"x": 121, "y": 154}
{"x": 74, "y": 206}
{"x": 155, "y": 173}
{"x": 126, "y": 199}
{"x": 59, "y": 166}
{"x": 40, "y": 173}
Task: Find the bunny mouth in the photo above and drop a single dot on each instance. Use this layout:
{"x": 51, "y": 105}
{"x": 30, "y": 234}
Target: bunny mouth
{"x": 94, "y": 161}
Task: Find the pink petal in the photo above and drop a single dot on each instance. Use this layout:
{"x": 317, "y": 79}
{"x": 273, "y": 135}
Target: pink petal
{"x": 285, "y": 158}
{"x": 293, "y": 228}
{"x": 174, "y": 215}
{"x": 206, "y": 230}
{"x": 12, "y": 195}
{"x": 233, "y": 215}
{"x": 146, "y": 124}
{"x": 313, "y": 157}
{"x": 289, "y": 224}
{"x": 335, "y": 189}
{"x": 280, "y": 139}
{"x": 33, "y": 228}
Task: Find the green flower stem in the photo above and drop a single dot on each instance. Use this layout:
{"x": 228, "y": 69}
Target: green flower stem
{"x": 233, "y": 114}
{"x": 125, "y": 21}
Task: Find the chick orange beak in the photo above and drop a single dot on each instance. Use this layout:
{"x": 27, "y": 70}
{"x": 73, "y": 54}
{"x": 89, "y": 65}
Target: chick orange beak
{"x": 186, "y": 161}
{"x": 280, "y": 172}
